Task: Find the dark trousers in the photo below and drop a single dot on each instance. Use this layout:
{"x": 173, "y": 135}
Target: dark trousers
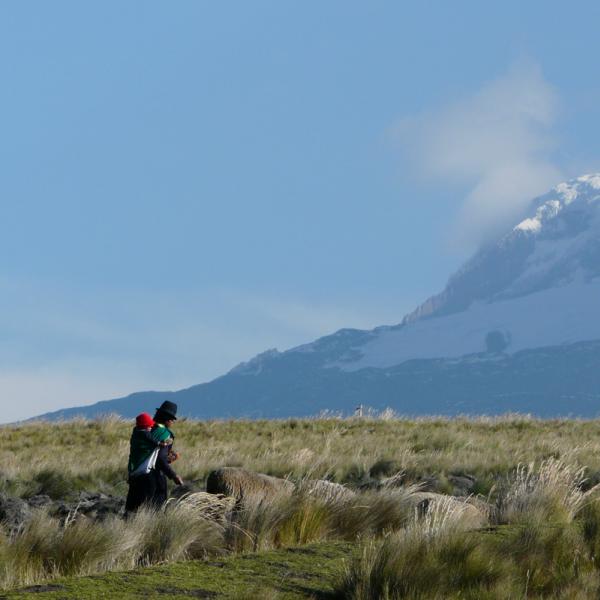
{"x": 150, "y": 490}
{"x": 161, "y": 490}
{"x": 142, "y": 490}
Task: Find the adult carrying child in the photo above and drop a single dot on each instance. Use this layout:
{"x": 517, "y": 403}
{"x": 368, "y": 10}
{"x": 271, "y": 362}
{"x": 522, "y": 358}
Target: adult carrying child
{"x": 150, "y": 457}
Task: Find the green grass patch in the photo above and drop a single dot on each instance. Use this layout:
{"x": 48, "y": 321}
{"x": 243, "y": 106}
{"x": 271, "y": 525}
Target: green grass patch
{"x": 288, "y": 574}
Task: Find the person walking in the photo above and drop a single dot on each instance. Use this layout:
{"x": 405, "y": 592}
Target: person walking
{"x": 164, "y": 418}
{"x": 149, "y": 459}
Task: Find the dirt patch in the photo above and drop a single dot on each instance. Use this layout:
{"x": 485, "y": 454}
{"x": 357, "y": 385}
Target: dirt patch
{"x": 301, "y": 550}
{"x": 40, "y": 589}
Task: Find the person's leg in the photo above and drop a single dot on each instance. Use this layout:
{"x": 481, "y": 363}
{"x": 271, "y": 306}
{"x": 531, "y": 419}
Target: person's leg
{"x": 134, "y": 495}
{"x": 141, "y": 491}
{"x": 160, "y": 490}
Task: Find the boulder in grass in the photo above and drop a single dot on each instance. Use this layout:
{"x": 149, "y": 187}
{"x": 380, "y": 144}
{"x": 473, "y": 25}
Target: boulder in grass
{"x": 14, "y": 512}
{"x": 213, "y": 507}
{"x": 427, "y": 483}
{"x": 328, "y": 490}
{"x": 245, "y": 485}
{"x": 40, "y": 501}
{"x": 95, "y": 506}
{"x": 471, "y": 513}
{"x": 463, "y": 484}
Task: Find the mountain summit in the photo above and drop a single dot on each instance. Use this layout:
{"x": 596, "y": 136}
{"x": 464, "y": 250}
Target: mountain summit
{"x": 536, "y": 286}
{"x": 556, "y": 243}
{"x": 515, "y": 329}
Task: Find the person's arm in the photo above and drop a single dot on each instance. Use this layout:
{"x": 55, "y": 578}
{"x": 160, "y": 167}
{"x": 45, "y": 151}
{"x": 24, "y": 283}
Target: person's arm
{"x": 150, "y": 438}
{"x": 162, "y": 464}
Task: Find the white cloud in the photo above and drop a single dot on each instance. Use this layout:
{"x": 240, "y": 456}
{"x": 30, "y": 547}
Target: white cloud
{"x": 496, "y": 142}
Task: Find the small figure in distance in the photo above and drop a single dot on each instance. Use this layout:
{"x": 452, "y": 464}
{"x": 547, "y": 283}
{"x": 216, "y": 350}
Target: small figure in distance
{"x": 149, "y": 459}
{"x": 165, "y": 417}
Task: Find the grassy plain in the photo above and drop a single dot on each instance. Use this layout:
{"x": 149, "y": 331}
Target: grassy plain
{"x": 59, "y": 459}
{"x": 536, "y": 532}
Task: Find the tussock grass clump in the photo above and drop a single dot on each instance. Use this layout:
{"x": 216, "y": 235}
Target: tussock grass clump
{"x": 256, "y": 522}
{"x": 174, "y": 534}
{"x": 589, "y": 521}
{"x": 27, "y": 556}
{"x": 545, "y": 546}
{"x": 545, "y": 558}
{"x": 552, "y": 492}
{"x": 373, "y": 513}
{"x": 305, "y": 518}
{"x": 45, "y": 548}
{"x": 419, "y": 562}
{"x": 432, "y": 557}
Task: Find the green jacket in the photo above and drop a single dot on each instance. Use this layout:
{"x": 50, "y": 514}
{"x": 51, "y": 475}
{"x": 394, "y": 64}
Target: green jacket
{"x": 144, "y": 444}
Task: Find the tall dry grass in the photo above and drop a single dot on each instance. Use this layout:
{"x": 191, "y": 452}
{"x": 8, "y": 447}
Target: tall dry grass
{"x": 303, "y": 518}
{"x": 195, "y": 526}
{"x": 433, "y": 557}
{"x": 46, "y": 548}
{"x": 91, "y": 455}
{"x": 546, "y": 546}
{"x": 552, "y": 491}
{"x": 546, "y": 543}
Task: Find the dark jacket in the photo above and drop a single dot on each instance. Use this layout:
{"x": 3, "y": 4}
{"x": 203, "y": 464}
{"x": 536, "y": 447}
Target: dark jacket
{"x": 163, "y": 465}
{"x": 151, "y": 489}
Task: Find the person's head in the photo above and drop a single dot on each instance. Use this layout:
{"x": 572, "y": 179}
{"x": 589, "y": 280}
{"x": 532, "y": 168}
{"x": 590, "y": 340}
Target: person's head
{"x": 144, "y": 421}
{"x": 166, "y": 413}
{"x": 163, "y": 419}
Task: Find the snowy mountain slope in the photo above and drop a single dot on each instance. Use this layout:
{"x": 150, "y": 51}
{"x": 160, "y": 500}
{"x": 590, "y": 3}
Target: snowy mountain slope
{"x": 552, "y": 317}
{"x": 557, "y": 242}
{"x": 537, "y": 286}
{"x": 517, "y": 328}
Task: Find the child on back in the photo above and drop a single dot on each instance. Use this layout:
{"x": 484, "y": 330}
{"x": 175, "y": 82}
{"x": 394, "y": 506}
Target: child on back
{"x": 143, "y": 444}
{"x": 146, "y": 423}
{"x": 143, "y": 430}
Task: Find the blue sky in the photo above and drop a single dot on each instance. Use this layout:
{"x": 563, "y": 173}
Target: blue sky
{"x": 185, "y": 185}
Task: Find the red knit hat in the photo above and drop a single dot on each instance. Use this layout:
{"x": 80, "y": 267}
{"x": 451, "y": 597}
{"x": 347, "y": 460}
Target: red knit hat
{"x": 144, "y": 421}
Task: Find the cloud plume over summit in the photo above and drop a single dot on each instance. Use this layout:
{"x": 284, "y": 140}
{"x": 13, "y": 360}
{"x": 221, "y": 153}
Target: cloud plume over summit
{"x": 497, "y": 142}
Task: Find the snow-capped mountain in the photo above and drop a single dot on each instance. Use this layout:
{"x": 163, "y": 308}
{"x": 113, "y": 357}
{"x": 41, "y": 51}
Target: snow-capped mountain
{"x": 537, "y": 286}
{"x": 556, "y": 243}
{"x": 516, "y": 328}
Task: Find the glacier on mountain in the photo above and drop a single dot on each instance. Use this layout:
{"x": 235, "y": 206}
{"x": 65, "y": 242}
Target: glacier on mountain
{"x": 536, "y": 286}
{"x": 562, "y": 315}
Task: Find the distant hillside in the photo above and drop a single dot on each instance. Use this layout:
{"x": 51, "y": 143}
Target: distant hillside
{"x": 547, "y": 382}
{"x": 516, "y": 329}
